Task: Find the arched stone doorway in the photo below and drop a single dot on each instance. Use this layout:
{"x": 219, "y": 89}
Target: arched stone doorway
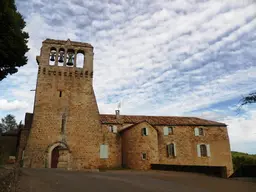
{"x": 58, "y": 156}
{"x": 55, "y": 157}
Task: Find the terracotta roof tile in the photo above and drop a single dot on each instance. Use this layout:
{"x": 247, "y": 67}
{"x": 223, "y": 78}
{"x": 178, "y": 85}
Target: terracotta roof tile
{"x": 158, "y": 120}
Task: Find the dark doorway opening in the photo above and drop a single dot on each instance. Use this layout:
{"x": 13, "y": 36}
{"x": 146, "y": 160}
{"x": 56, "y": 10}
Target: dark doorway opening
{"x": 55, "y": 157}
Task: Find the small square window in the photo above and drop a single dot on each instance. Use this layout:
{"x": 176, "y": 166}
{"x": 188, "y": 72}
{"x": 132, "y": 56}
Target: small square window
{"x": 201, "y": 131}
{"x": 144, "y": 131}
{"x": 170, "y": 130}
{"x": 111, "y": 128}
{"x": 144, "y": 156}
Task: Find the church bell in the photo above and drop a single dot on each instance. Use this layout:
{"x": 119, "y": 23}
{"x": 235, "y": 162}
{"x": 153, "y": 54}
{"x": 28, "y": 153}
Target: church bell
{"x": 52, "y": 56}
{"x": 61, "y": 58}
{"x": 70, "y": 59}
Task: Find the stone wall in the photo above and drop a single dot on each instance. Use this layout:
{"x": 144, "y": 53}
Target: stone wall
{"x": 186, "y": 147}
{"x": 134, "y": 144}
{"x": 113, "y": 140}
{"x": 81, "y": 128}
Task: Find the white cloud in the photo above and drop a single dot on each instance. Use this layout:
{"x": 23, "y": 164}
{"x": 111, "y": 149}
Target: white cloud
{"x": 161, "y": 57}
{"x": 12, "y": 105}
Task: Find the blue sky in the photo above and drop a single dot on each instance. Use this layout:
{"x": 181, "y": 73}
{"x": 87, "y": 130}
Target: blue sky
{"x": 183, "y": 57}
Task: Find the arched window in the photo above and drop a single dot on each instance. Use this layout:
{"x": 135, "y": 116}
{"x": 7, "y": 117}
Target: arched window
{"x": 80, "y": 59}
{"x": 61, "y": 57}
{"x": 70, "y": 58}
{"x": 171, "y": 150}
{"x": 52, "y": 57}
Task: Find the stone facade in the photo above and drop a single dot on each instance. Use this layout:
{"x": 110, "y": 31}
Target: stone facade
{"x": 65, "y": 109}
{"x": 66, "y": 116}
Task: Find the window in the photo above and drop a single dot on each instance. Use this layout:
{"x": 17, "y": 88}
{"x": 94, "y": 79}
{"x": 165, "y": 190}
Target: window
{"x": 144, "y": 131}
{"x": 63, "y": 123}
{"x": 203, "y": 150}
{"x": 103, "y": 151}
{"x": 113, "y": 128}
{"x": 80, "y": 59}
{"x": 199, "y": 131}
{"x": 60, "y": 93}
{"x": 168, "y": 130}
{"x": 144, "y": 156}
{"x": 52, "y": 57}
{"x": 171, "y": 150}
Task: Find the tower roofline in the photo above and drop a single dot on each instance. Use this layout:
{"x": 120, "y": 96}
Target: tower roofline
{"x": 62, "y": 42}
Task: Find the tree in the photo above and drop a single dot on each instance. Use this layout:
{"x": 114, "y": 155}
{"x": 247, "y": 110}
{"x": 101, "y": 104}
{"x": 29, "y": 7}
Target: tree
{"x": 8, "y": 123}
{"x": 251, "y": 98}
{"x": 13, "y": 40}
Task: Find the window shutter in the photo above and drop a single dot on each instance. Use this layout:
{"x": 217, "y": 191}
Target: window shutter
{"x": 168, "y": 150}
{"x": 174, "y": 148}
{"x": 110, "y": 128}
{"x": 103, "y": 151}
{"x": 114, "y": 129}
{"x": 198, "y": 151}
{"x": 106, "y": 151}
{"x": 166, "y": 130}
{"x": 208, "y": 150}
{"x": 142, "y": 131}
{"x": 146, "y": 131}
{"x": 196, "y": 132}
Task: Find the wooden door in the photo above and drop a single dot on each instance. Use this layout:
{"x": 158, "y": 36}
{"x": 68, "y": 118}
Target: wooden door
{"x": 55, "y": 157}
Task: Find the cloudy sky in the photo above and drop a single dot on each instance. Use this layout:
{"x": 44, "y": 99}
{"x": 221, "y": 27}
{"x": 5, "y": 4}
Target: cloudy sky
{"x": 183, "y": 57}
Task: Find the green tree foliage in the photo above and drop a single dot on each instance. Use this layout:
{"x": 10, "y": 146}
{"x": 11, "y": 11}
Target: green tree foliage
{"x": 8, "y": 123}
{"x": 13, "y": 40}
{"x": 239, "y": 159}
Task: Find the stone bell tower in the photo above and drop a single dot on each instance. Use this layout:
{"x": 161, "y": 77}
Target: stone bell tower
{"x": 65, "y": 129}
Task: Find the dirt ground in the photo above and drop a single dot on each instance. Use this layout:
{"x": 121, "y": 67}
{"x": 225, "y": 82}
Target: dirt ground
{"x": 53, "y": 180}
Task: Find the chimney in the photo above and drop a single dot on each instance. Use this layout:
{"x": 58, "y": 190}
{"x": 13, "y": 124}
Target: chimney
{"x": 117, "y": 114}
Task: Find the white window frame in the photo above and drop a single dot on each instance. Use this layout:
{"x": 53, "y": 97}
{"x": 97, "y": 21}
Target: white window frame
{"x": 142, "y": 156}
{"x": 170, "y": 133}
{"x": 113, "y": 128}
{"x": 174, "y": 150}
{"x": 167, "y": 132}
{"x": 197, "y": 131}
{"x": 208, "y": 150}
{"x": 144, "y": 133}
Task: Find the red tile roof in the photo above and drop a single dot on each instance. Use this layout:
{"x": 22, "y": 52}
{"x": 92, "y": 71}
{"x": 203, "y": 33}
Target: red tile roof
{"x": 158, "y": 120}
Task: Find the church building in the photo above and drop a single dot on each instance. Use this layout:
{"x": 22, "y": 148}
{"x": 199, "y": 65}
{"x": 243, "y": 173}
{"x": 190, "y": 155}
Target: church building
{"x": 67, "y": 131}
